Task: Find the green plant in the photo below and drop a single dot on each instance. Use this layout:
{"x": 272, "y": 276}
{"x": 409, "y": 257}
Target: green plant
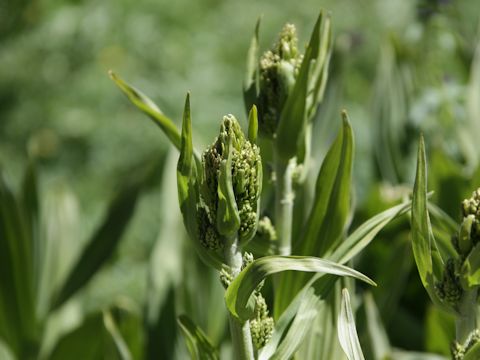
{"x": 222, "y": 197}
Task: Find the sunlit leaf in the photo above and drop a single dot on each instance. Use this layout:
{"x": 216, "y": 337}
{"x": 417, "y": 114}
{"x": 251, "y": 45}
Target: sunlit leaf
{"x": 238, "y": 293}
{"x": 347, "y": 332}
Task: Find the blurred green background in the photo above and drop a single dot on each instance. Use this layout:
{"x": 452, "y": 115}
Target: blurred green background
{"x": 58, "y": 105}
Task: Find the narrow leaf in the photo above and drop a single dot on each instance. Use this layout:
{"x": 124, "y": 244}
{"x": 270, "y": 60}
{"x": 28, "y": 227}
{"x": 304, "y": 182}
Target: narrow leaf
{"x": 328, "y": 216}
{"x": 102, "y": 244}
{"x": 242, "y": 287}
{"x": 198, "y": 344}
{"x": 251, "y": 82}
{"x": 473, "y": 353}
{"x": 347, "y": 332}
{"x": 187, "y": 187}
{"x": 378, "y": 335}
{"x": 147, "y": 106}
{"x": 253, "y": 125}
{"x": 421, "y": 228}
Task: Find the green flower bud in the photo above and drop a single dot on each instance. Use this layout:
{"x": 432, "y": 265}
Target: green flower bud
{"x": 458, "y": 352}
{"x": 232, "y": 182}
{"x": 261, "y": 326}
{"x": 278, "y": 70}
{"x": 471, "y": 207}
{"x": 465, "y": 235}
{"x": 450, "y": 289}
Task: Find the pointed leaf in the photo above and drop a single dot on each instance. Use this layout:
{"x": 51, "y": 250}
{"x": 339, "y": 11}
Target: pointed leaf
{"x": 421, "y": 228}
{"x": 253, "y": 125}
{"x": 198, "y": 344}
{"x": 102, "y": 244}
{"x": 242, "y": 287}
{"x": 250, "y": 84}
{"x": 347, "y": 332}
{"x": 332, "y": 196}
{"x": 146, "y": 105}
{"x": 187, "y": 187}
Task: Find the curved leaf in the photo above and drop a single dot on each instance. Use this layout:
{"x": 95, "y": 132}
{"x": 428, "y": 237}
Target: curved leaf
{"x": 198, "y": 344}
{"x": 238, "y": 293}
{"x": 146, "y": 105}
{"x": 347, "y": 332}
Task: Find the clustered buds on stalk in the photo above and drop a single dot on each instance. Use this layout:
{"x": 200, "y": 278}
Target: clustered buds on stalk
{"x": 232, "y": 181}
{"x": 279, "y": 68}
{"x": 452, "y": 285}
{"x": 459, "y": 350}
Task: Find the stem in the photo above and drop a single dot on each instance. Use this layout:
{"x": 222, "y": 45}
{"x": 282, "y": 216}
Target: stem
{"x": 240, "y": 332}
{"x": 284, "y": 196}
{"x": 466, "y": 321}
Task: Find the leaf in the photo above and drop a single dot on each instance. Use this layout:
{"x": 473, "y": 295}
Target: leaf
{"x": 347, "y": 332}
{"x": 412, "y": 355}
{"x": 91, "y": 340}
{"x": 147, "y": 106}
{"x": 473, "y": 353}
{"x": 17, "y": 313}
{"x": 121, "y": 347}
{"x": 197, "y": 342}
{"x": 378, "y": 335}
{"x": 319, "y": 71}
{"x": 366, "y": 232}
{"x": 241, "y": 288}
{"x": 251, "y": 82}
{"x": 328, "y": 216}
{"x": 102, "y": 244}
{"x": 253, "y": 125}
{"x": 228, "y": 217}
{"x": 421, "y": 228}
{"x": 187, "y": 187}
{"x": 292, "y": 327}
{"x": 470, "y": 271}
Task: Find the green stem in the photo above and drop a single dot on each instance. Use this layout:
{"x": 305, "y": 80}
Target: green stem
{"x": 466, "y": 321}
{"x": 240, "y": 332}
{"x": 284, "y": 197}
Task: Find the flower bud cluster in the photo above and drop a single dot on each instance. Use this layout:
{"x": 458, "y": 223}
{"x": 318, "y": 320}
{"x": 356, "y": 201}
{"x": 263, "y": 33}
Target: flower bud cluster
{"x": 450, "y": 289}
{"x": 261, "y": 326}
{"x": 471, "y": 208}
{"x": 278, "y": 70}
{"x": 230, "y": 145}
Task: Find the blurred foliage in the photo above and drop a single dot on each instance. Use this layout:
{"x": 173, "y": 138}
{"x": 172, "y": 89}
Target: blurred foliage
{"x": 399, "y": 67}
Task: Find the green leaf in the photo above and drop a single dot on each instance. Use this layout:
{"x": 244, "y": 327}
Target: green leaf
{"x": 292, "y": 327}
{"x": 378, "y": 335}
{"x": 198, "y": 344}
{"x": 102, "y": 244}
{"x": 147, "y": 106}
{"x": 251, "y": 82}
{"x": 327, "y": 219}
{"x": 347, "y": 332}
{"x": 17, "y": 313}
{"x": 473, "y": 353}
{"x": 253, "y": 125}
{"x": 412, "y": 355}
{"x": 366, "y": 232}
{"x": 121, "y": 347}
{"x": 421, "y": 228}
{"x": 470, "y": 271}
{"x": 228, "y": 218}
{"x": 91, "y": 340}
{"x": 238, "y": 293}
{"x": 187, "y": 187}
{"x": 319, "y": 71}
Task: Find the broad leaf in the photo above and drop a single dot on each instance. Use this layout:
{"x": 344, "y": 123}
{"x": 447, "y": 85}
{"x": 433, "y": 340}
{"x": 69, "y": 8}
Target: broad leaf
{"x": 198, "y": 344}
{"x": 347, "y": 332}
{"x": 240, "y": 290}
